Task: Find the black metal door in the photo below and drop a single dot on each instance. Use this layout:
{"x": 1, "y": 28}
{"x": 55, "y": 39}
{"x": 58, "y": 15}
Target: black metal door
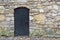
{"x": 21, "y": 21}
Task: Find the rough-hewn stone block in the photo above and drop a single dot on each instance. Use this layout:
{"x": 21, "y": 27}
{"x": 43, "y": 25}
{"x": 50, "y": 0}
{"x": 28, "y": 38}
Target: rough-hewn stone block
{"x": 40, "y": 18}
{"x": 2, "y": 17}
{"x": 1, "y": 11}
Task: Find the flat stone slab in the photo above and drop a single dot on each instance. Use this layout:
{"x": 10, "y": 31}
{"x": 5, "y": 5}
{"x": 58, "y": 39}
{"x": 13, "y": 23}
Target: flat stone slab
{"x": 52, "y": 36}
{"x": 56, "y": 0}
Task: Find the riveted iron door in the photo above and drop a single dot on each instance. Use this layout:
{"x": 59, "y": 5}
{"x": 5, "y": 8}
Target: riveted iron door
{"x": 21, "y": 21}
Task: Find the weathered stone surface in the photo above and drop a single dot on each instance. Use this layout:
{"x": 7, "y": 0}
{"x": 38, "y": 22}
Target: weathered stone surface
{"x": 40, "y": 18}
{"x": 58, "y": 3}
{"x": 32, "y": 0}
{"x": 8, "y": 19}
{"x": 33, "y": 13}
{"x": 0, "y": 30}
{"x": 43, "y": 0}
{"x": 58, "y": 13}
{"x": 49, "y": 7}
{"x": 55, "y": 7}
{"x": 34, "y": 10}
{"x": 43, "y": 14}
{"x": 57, "y": 0}
{"x": 22, "y": 1}
{"x": 50, "y": 0}
{"x": 58, "y": 31}
{"x": 57, "y": 18}
{"x": 1, "y": 7}
{"x": 9, "y": 14}
{"x": 31, "y": 17}
{"x": 45, "y": 3}
{"x": 40, "y": 6}
{"x": 35, "y": 0}
{"x": 2, "y": 17}
{"x": 11, "y": 11}
{"x": 41, "y": 10}
{"x": 1, "y": 11}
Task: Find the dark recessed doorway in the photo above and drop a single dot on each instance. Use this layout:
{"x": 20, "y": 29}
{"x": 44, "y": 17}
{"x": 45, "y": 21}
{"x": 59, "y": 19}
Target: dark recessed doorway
{"x": 21, "y": 21}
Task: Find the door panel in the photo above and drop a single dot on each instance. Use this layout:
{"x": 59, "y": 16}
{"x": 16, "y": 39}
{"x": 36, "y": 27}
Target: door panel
{"x": 21, "y": 21}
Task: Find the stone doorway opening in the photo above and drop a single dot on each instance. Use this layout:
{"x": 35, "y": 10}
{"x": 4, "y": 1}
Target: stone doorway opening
{"x": 21, "y": 21}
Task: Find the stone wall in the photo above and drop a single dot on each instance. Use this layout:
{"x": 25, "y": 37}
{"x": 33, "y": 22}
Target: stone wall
{"x": 44, "y": 17}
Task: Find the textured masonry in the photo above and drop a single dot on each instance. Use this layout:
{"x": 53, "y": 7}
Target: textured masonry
{"x": 44, "y": 17}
